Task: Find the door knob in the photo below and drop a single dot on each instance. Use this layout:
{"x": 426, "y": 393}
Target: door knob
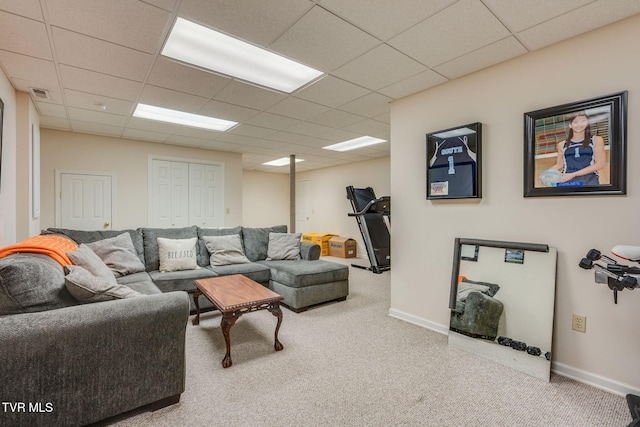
{"x": 106, "y": 224}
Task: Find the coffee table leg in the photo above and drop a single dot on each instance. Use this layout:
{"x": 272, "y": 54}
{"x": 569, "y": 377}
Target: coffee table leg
{"x": 228, "y": 320}
{"x": 196, "y": 294}
{"x": 274, "y": 308}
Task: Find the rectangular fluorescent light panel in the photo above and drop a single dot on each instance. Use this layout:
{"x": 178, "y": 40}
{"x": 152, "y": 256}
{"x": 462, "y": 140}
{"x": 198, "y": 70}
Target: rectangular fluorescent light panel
{"x": 201, "y": 46}
{"x": 353, "y": 144}
{"x": 151, "y": 112}
{"x": 281, "y": 162}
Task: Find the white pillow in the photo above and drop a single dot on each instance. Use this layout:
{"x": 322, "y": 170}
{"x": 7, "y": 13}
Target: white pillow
{"x": 85, "y": 257}
{"x": 225, "y": 250}
{"x": 119, "y": 254}
{"x": 283, "y": 246}
{"x": 87, "y": 287}
{"x": 177, "y": 254}
{"x": 465, "y": 288}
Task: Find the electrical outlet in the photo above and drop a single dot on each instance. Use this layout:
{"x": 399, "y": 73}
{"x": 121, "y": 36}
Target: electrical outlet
{"x": 579, "y": 323}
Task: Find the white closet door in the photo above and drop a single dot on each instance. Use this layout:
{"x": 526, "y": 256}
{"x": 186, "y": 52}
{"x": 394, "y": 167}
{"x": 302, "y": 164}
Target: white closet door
{"x": 180, "y": 194}
{"x": 169, "y": 194}
{"x": 205, "y": 195}
{"x": 85, "y": 201}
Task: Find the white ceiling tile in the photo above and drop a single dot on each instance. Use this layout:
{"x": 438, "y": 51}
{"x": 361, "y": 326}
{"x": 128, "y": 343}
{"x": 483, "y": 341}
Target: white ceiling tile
{"x": 297, "y": 108}
{"x": 183, "y": 78}
{"x": 161, "y": 97}
{"x": 379, "y": 67}
{"x": 252, "y": 131}
{"x": 152, "y": 125}
{"x": 484, "y": 57}
{"x": 370, "y": 105}
{"x": 331, "y": 91}
{"x": 272, "y": 121}
{"x": 133, "y": 24}
{"x": 90, "y": 101}
{"x": 54, "y": 123}
{"x": 254, "y": 21}
{"x": 27, "y": 8}
{"x": 97, "y": 117}
{"x": 101, "y": 84}
{"x": 468, "y": 25}
{"x": 40, "y": 71}
{"x": 383, "y": 18}
{"x": 226, "y": 111}
{"x": 323, "y": 41}
{"x": 163, "y": 4}
{"x": 51, "y": 110}
{"x": 96, "y": 128}
{"x": 144, "y": 135}
{"x": 25, "y": 36}
{"x": 246, "y": 95}
{"x": 96, "y": 55}
{"x": 592, "y": 16}
{"x": 339, "y": 135}
{"x": 205, "y": 134}
{"x": 309, "y": 129}
{"x": 519, "y": 15}
{"x": 336, "y": 118}
{"x": 368, "y": 127}
{"x": 413, "y": 84}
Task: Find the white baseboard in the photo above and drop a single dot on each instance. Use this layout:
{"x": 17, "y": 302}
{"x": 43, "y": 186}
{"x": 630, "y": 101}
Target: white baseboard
{"x": 581, "y": 376}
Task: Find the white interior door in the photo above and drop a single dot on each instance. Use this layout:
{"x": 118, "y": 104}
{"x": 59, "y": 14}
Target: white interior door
{"x": 205, "y": 195}
{"x": 303, "y": 205}
{"x": 85, "y": 201}
{"x": 169, "y": 194}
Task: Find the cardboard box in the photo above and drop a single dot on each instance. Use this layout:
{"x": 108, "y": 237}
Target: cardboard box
{"x": 342, "y": 247}
{"x": 319, "y": 238}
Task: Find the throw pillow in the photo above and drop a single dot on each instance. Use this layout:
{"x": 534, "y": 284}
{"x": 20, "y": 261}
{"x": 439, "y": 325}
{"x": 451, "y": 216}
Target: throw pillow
{"x": 87, "y": 287}
{"x": 465, "y": 288}
{"x": 283, "y": 246}
{"x": 119, "y": 254}
{"x": 85, "y": 257}
{"x": 177, "y": 254}
{"x": 225, "y": 250}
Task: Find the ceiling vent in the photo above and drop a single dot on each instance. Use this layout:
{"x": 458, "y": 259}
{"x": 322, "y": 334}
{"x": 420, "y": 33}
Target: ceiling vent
{"x": 40, "y": 94}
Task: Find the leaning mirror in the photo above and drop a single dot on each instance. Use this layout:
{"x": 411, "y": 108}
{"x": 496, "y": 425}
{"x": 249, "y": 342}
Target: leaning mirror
{"x": 502, "y": 301}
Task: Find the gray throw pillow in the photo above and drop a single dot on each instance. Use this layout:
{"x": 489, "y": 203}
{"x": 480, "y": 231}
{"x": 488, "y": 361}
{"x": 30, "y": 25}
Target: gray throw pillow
{"x": 225, "y": 250}
{"x": 85, "y": 257}
{"x": 284, "y": 246}
{"x": 177, "y": 254}
{"x": 119, "y": 254}
{"x": 86, "y": 287}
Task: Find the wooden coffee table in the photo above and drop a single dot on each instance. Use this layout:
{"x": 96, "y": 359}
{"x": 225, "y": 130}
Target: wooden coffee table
{"x": 235, "y": 295}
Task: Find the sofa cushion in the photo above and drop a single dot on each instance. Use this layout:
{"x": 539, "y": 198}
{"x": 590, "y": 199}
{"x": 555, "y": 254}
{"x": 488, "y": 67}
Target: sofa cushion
{"x": 86, "y": 287}
{"x": 225, "y": 250}
{"x": 219, "y": 231}
{"x": 253, "y": 270}
{"x": 178, "y": 254}
{"x": 150, "y": 239}
{"x": 82, "y": 236}
{"x": 85, "y": 257}
{"x": 284, "y": 246}
{"x": 30, "y": 283}
{"x": 179, "y": 280}
{"x": 256, "y": 241}
{"x": 119, "y": 254}
{"x": 304, "y": 273}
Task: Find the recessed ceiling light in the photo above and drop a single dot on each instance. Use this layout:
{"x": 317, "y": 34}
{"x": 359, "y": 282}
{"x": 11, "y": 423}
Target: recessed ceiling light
{"x": 281, "y": 162}
{"x": 152, "y": 112}
{"x": 352, "y": 144}
{"x": 203, "y": 47}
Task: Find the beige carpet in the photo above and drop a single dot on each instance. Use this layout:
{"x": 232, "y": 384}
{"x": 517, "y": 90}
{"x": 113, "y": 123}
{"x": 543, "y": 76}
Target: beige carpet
{"x": 350, "y": 364}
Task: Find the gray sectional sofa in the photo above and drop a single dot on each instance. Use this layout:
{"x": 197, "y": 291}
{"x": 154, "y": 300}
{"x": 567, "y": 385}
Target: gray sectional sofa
{"x": 70, "y": 363}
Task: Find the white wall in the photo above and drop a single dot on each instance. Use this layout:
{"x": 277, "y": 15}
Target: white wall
{"x": 128, "y": 160}
{"x": 265, "y": 199}
{"x": 599, "y": 63}
{"x": 8, "y": 165}
{"x": 27, "y": 117}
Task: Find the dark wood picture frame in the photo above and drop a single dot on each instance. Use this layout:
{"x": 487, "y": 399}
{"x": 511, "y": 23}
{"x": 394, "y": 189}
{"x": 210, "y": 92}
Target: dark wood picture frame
{"x": 545, "y": 133}
{"x": 454, "y": 163}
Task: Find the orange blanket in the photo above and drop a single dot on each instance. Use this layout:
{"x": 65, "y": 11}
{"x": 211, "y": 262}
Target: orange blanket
{"x": 54, "y": 246}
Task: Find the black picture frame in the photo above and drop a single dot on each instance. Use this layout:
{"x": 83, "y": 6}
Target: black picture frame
{"x": 545, "y": 133}
{"x": 454, "y": 163}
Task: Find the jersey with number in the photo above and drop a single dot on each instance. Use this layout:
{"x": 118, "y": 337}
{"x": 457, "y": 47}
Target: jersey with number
{"x": 453, "y": 170}
{"x": 577, "y": 157}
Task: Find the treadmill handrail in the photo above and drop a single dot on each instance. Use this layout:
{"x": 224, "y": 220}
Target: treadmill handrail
{"x": 371, "y": 203}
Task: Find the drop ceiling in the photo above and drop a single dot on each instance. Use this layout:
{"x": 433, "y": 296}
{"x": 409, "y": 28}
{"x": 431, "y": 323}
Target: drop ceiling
{"x": 98, "y": 59}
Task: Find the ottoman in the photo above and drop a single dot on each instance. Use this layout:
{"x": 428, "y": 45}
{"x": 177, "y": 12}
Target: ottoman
{"x": 304, "y": 284}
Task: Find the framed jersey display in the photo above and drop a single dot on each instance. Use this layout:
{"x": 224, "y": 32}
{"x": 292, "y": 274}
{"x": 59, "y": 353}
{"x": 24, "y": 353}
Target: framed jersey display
{"x": 453, "y": 163}
{"x": 577, "y": 148}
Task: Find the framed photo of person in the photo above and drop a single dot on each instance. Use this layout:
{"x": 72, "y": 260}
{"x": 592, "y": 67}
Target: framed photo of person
{"x": 453, "y": 163}
{"x": 577, "y": 149}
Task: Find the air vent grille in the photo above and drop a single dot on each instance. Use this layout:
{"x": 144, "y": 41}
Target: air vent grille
{"x": 40, "y": 94}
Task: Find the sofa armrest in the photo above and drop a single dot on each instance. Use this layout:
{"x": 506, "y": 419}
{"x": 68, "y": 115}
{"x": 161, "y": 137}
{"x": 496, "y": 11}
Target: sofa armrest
{"x": 77, "y": 365}
{"x": 309, "y": 251}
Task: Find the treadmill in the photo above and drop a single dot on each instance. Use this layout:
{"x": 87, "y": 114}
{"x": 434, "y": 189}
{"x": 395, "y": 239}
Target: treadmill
{"x": 372, "y": 214}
